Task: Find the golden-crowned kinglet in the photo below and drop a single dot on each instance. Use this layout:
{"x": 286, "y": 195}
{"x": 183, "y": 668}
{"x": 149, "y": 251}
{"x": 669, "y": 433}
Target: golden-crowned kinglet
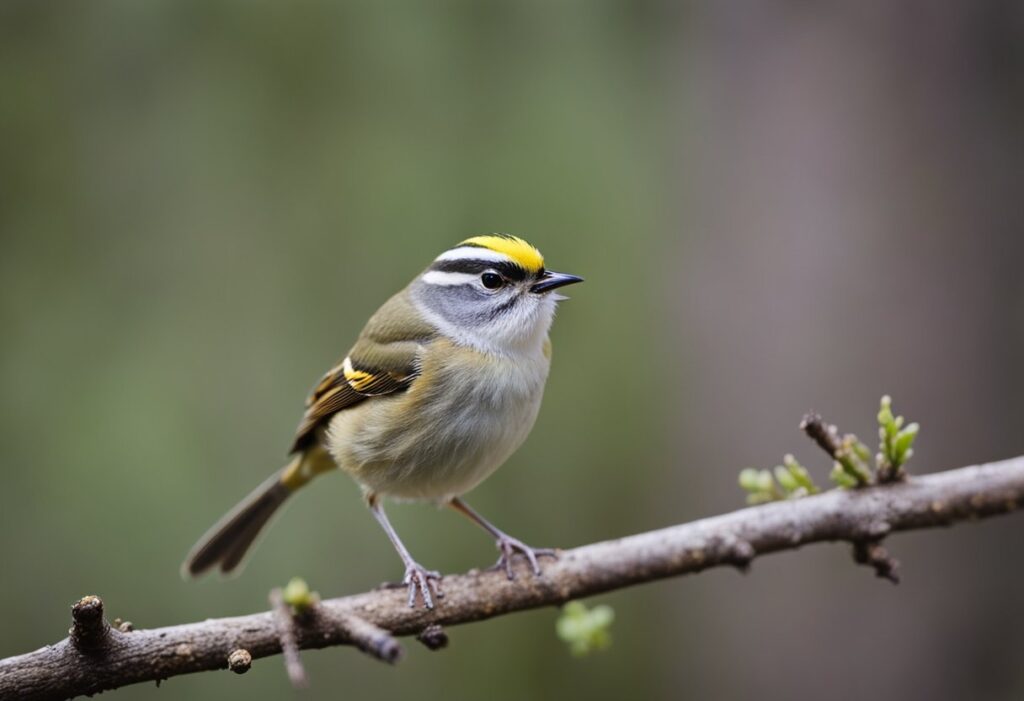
{"x": 442, "y": 386}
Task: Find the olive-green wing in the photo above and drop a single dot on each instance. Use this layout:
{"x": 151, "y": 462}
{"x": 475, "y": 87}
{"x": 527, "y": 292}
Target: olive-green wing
{"x": 384, "y": 360}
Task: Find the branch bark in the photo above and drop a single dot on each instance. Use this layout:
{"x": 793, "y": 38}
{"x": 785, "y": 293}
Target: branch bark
{"x": 96, "y": 657}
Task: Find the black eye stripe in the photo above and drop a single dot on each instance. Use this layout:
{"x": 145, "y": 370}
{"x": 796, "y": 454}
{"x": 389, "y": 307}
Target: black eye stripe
{"x": 503, "y": 307}
{"x": 510, "y": 271}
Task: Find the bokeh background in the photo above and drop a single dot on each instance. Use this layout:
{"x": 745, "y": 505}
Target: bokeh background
{"x": 777, "y": 206}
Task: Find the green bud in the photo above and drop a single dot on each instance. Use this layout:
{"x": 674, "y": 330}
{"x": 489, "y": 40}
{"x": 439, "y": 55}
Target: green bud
{"x": 861, "y": 451}
{"x": 786, "y": 479}
{"x": 885, "y": 411}
{"x": 905, "y": 439}
{"x": 297, "y": 594}
{"x": 841, "y": 477}
{"x": 583, "y": 630}
{"x": 800, "y": 474}
{"x": 748, "y": 479}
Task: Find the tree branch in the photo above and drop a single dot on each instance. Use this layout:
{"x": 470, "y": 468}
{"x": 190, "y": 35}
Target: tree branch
{"x": 97, "y": 657}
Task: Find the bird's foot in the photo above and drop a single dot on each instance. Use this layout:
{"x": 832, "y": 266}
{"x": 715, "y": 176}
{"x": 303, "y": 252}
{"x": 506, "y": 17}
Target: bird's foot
{"x": 422, "y": 581}
{"x": 508, "y": 546}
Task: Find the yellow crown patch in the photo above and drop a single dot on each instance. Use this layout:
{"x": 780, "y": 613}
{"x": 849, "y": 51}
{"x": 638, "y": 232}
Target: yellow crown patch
{"x": 518, "y": 250}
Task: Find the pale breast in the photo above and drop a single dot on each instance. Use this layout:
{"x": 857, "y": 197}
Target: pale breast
{"x": 457, "y": 423}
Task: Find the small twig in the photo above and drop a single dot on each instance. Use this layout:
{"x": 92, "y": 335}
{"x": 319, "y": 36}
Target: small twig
{"x": 866, "y": 551}
{"x": 825, "y": 435}
{"x": 284, "y": 622}
{"x": 871, "y": 553}
{"x": 847, "y": 451}
{"x": 371, "y": 639}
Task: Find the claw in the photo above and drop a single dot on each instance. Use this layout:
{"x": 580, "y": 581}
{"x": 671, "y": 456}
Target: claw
{"x": 424, "y": 582}
{"x": 508, "y": 546}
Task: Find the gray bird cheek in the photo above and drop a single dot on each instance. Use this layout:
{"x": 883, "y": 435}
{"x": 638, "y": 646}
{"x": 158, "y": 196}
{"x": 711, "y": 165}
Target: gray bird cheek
{"x": 457, "y": 305}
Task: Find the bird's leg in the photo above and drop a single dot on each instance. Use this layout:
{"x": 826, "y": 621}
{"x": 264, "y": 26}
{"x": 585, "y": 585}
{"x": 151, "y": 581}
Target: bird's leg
{"x": 507, "y": 545}
{"x": 417, "y": 578}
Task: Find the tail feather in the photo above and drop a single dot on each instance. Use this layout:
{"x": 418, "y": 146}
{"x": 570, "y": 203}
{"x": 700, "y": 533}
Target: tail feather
{"x": 230, "y": 538}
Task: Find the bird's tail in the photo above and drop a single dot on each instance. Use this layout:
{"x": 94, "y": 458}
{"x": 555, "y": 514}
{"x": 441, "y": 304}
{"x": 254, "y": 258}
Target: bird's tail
{"x": 227, "y": 542}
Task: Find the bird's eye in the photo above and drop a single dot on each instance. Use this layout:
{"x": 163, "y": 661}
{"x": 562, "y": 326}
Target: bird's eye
{"x": 492, "y": 281}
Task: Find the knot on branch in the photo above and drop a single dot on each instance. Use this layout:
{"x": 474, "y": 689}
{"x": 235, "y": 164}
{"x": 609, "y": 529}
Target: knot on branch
{"x": 240, "y": 661}
{"x": 434, "y": 637}
{"x": 734, "y": 550}
{"x": 742, "y": 555}
{"x": 89, "y": 631}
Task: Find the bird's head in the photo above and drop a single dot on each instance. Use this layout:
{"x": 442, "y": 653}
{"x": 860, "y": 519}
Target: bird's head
{"x": 491, "y": 292}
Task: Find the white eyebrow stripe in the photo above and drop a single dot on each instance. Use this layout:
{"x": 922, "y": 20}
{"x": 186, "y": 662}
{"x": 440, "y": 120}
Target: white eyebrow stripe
{"x": 437, "y": 277}
{"x": 473, "y": 253}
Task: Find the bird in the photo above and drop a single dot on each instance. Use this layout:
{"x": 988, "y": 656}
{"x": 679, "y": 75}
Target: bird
{"x": 442, "y": 386}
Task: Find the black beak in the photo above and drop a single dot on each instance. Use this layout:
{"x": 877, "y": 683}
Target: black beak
{"x": 552, "y": 281}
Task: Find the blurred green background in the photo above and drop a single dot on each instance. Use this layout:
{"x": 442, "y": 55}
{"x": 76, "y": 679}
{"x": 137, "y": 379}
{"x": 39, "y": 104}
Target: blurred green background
{"x": 777, "y": 206}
